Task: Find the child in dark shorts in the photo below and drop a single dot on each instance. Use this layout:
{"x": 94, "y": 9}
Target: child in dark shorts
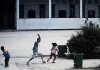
{"x": 54, "y": 49}
{"x": 6, "y": 55}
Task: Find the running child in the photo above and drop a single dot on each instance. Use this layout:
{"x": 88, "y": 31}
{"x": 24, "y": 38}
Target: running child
{"x": 35, "y": 50}
{"x": 54, "y": 50}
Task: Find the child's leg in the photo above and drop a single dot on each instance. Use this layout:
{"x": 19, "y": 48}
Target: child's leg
{"x": 54, "y": 59}
{"x": 41, "y": 57}
{"x": 6, "y": 61}
{"x": 49, "y": 58}
{"x": 30, "y": 60}
{"x": 33, "y": 56}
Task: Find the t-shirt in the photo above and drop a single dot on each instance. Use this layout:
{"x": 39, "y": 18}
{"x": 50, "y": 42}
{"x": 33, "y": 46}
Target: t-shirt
{"x": 35, "y": 48}
{"x": 54, "y": 50}
{"x": 6, "y": 53}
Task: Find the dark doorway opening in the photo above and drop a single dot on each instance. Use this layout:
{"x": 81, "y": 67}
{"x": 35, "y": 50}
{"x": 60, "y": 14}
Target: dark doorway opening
{"x": 42, "y": 11}
{"x": 7, "y": 14}
{"x": 91, "y": 14}
{"x": 62, "y": 13}
{"x": 31, "y": 14}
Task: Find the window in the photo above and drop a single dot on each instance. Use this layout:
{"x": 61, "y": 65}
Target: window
{"x": 72, "y": 14}
{"x": 21, "y": 11}
{"x": 84, "y": 11}
{"x": 42, "y": 11}
{"x": 72, "y": 6}
{"x": 99, "y": 11}
{"x": 53, "y": 10}
{"x": 63, "y": 1}
{"x": 31, "y": 14}
{"x": 57, "y": 1}
{"x": 62, "y": 13}
{"x": 72, "y": 11}
{"x": 96, "y": 1}
{"x": 89, "y": 1}
{"x": 99, "y": 14}
{"x": 77, "y": 1}
{"x": 84, "y": 1}
{"x": 91, "y": 14}
{"x": 71, "y": 1}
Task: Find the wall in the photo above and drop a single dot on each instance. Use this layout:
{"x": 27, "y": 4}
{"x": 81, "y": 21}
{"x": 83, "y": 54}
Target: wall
{"x": 52, "y": 23}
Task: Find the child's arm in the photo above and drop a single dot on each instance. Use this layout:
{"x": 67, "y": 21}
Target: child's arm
{"x": 51, "y": 48}
{"x": 38, "y": 35}
{"x": 34, "y": 46}
{"x": 5, "y": 52}
{"x": 57, "y": 48}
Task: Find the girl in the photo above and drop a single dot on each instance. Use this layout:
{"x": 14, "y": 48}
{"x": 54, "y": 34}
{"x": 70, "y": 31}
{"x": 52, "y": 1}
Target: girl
{"x": 54, "y": 49}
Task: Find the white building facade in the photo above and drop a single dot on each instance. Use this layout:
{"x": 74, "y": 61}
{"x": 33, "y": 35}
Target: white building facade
{"x": 55, "y": 14}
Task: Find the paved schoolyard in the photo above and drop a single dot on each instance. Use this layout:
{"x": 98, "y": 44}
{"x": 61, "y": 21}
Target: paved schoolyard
{"x": 20, "y": 44}
{"x": 18, "y": 41}
{"x": 61, "y": 64}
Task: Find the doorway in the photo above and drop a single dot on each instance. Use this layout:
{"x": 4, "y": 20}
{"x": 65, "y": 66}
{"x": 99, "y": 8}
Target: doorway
{"x": 91, "y": 14}
{"x": 62, "y": 13}
{"x": 7, "y": 12}
{"x": 31, "y": 14}
{"x": 42, "y": 11}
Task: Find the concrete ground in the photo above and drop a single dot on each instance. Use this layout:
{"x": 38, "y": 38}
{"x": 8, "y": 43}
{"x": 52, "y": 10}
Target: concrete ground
{"x": 20, "y": 44}
{"x": 60, "y": 64}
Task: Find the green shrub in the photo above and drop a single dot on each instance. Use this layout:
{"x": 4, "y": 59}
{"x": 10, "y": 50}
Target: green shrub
{"x": 86, "y": 40}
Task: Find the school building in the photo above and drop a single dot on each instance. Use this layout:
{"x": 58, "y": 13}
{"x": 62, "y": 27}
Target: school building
{"x": 47, "y": 14}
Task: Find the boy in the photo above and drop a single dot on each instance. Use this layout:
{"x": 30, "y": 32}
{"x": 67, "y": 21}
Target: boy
{"x": 35, "y": 50}
{"x": 6, "y": 55}
{"x": 53, "y": 52}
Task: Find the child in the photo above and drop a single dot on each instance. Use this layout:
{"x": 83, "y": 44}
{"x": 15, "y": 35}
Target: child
{"x": 53, "y": 52}
{"x": 35, "y": 51}
{"x": 7, "y": 56}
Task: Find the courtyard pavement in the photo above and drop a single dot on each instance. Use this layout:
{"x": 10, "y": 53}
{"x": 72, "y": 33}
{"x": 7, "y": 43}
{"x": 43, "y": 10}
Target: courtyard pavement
{"x": 20, "y": 44}
{"x": 60, "y": 64}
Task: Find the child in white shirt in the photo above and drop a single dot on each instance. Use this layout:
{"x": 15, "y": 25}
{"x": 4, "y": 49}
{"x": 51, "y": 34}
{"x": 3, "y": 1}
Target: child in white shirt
{"x": 54, "y": 49}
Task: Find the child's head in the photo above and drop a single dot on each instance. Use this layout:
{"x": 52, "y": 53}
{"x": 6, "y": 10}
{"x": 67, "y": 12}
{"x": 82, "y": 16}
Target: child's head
{"x": 2, "y": 48}
{"x": 54, "y": 44}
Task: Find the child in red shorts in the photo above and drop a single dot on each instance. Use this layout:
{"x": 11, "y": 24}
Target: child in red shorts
{"x": 54, "y": 49}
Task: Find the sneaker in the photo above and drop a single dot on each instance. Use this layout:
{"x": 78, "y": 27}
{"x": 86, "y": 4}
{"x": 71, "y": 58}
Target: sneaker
{"x": 27, "y": 63}
{"x": 6, "y": 66}
{"x": 47, "y": 60}
{"x": 53, "y": 62}
{"x": 44, "y": 62}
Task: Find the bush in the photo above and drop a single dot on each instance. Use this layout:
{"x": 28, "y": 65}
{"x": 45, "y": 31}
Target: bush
{"x": 86, "y": 40}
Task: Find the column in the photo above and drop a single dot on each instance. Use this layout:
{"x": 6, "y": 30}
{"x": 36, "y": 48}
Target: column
{"x": 81, "y": 8}
{"x": 17, "y": 13}
{"x": 50, "y": 6}
{"x": 17, "y": 8}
